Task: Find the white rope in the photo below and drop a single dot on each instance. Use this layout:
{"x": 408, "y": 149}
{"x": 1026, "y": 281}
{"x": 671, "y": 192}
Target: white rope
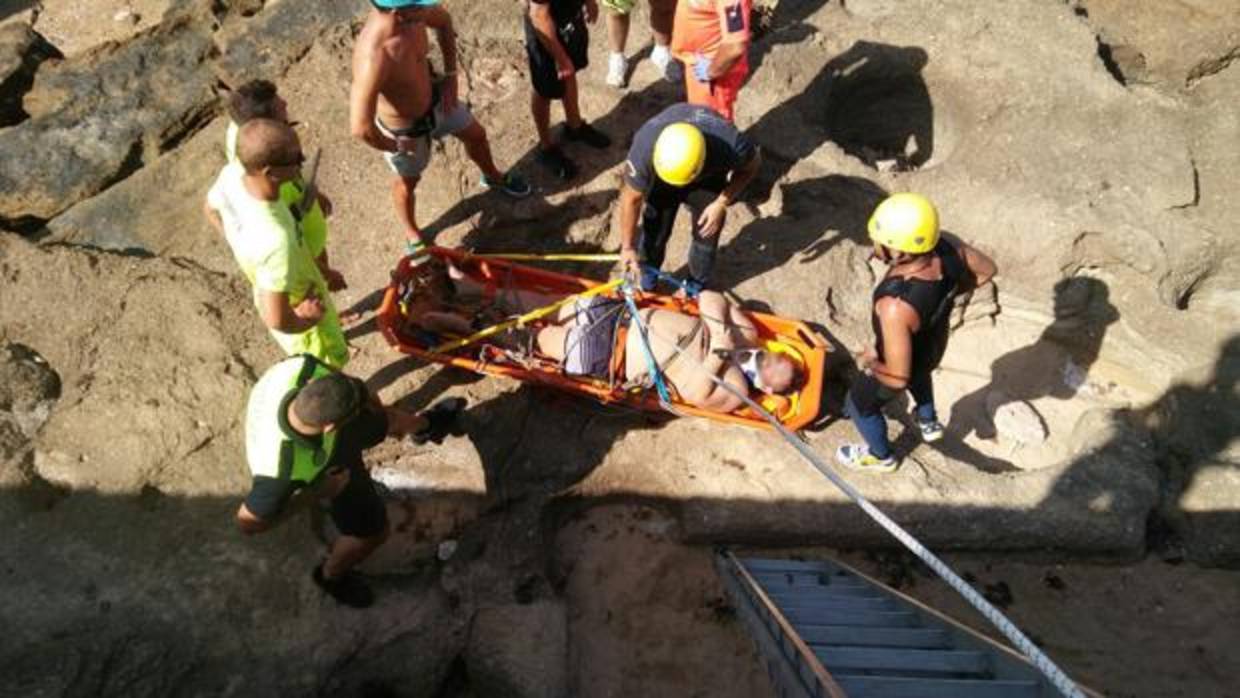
{"x": 1019, "y": 640}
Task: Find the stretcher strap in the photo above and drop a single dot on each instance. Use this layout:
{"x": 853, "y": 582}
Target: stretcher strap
{"x": 526, "y": 318}
{"x": 515, "y": 256}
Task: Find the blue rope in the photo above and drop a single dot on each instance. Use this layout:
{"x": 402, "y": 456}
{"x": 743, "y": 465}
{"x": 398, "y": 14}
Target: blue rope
{"x": 665, "y": 396}
{"x": 691, "y": 288}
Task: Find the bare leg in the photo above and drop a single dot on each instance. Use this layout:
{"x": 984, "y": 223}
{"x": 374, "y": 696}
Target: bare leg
{"x": 347, "y": 551}
{"x": 617, "y": 31}
{"x": 552, "y": 338}
{"x": 572, "y": 111}
{"x": 540, "y": 107}
{"x": 551, "y": 341}
{"x": 662, "y": 16}
{"x": 474, "y": 137}
{"x": 406, "y": 201}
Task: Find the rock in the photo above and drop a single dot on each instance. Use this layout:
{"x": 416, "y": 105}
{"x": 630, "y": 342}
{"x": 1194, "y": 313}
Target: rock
{"x": 246, "y": 8}
{"x": 432, "y": 494}
{"x": 158, "y": 210}
{"x": 1207, "y": 512}
{"x": 1112, "y": 474}
{"x": 28, "y": 388}
{"x": 1195, "y": 425}
{"x": 98, "y": 117}
{"x": 188, "y": 388}
{"x": 519, "y": 651}
{"x": 1016, "y": 421}
{"x": 1172, "y": 45}
{"x": 266, "y": 45}
{"x": 22, "y": 50}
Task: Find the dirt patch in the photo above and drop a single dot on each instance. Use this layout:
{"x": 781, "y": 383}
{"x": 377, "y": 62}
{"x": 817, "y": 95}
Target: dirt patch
{"x": 648, "y": 616}
{"x": 80, "y": 26}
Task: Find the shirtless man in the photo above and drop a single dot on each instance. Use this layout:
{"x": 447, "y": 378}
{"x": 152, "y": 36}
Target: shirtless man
{"x": 689, "y": 350}
{"x": 395, "y": 108}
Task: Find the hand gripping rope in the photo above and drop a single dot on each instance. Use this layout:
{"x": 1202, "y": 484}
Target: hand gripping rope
{"x": 1019, "y": 640}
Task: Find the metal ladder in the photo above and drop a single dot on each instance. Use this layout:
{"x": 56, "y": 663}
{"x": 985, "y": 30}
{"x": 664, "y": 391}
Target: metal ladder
{"x": 827, "y": 630}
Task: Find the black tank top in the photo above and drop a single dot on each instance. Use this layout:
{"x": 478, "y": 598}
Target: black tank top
{"x": 932, "y": 301}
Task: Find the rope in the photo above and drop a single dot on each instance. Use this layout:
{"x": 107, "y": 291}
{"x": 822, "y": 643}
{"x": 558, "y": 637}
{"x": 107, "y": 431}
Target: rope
{"x": 1019, "y": 640}
{"x": 526, "y": 318}
{"x": 676, "y": 281}
{"x": 652, "y": 366}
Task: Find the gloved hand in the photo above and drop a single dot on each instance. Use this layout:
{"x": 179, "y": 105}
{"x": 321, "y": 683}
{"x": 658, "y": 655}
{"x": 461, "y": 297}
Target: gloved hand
{"x": 701, "y": 68}
{"x": 441, "y": 420}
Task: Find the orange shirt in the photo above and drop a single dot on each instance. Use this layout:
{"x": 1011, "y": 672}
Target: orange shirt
{"x": 701, "y": 26}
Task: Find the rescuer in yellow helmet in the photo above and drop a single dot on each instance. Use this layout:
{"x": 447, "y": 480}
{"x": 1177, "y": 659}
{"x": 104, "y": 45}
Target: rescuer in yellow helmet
{"x": 687, "y": 154}
{"x": 911, "y": 321}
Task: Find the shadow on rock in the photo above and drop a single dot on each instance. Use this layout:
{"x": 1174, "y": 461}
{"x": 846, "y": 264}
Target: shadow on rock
{"x": 817, "y": 215}
{"x": 871, "y": 101}
{"x": 535, "y": 212}
{"x": 783, "y": 24}
{"x": 1181, "y": 451}
{"x": 1056, "y": 365}
{"x": 534, "y": 445}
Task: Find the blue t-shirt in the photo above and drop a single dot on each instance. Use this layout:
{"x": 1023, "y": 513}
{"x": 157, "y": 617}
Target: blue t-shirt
{"x": 727, "y": 149}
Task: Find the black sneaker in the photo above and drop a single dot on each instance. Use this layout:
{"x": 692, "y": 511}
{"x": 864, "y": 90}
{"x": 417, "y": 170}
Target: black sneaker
{"x": 674, "y": 72}
{"x": 585, "y": 133}
{"x": 347, "y": 589}
{"x": 512, "y": 184}
{"x": 441, "y": 420}
{"x": 556, "y": 163}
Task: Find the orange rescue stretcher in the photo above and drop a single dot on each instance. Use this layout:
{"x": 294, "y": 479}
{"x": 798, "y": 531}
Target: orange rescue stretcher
{"x": 497, "y": 276}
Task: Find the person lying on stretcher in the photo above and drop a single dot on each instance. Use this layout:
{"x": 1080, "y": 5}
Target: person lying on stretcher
{"x": 688, "y": 349}
{"x": 440, "y": 299}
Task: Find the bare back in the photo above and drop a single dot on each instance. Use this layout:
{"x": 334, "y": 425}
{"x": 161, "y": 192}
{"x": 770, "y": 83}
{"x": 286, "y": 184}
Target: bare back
{"x": 390, "y": 67}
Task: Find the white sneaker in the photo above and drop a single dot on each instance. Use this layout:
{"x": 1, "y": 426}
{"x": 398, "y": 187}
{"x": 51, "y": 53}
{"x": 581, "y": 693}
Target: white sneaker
{"x": 858, "y": 457}
{"x": 617, "y": 70}
{"x": 661, "y": 57}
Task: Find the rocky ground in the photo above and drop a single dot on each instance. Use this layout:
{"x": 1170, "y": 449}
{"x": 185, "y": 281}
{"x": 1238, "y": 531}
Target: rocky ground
{"x": 1088, "y": 146}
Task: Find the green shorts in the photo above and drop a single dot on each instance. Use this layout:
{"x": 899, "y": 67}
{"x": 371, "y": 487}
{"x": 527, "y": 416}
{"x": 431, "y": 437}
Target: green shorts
{"x": 622, "y": 7}
{"x": 325, "y": 341}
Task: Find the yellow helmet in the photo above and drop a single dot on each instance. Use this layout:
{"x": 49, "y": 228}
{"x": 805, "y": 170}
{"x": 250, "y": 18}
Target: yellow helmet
{"x": 905, "y": 222}
{"x": 679, "y": 153}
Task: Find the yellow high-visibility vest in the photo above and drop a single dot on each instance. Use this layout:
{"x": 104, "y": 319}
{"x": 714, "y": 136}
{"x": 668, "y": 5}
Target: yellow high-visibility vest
{"x": 272, "y": 447}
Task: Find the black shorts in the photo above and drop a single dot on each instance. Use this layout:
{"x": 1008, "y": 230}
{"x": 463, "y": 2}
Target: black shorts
{"x": 359, "y": 511}
{"x": 576, "y": 41}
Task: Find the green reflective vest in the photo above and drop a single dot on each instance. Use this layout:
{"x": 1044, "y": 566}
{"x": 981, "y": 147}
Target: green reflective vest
{"x": 272, "y": 447}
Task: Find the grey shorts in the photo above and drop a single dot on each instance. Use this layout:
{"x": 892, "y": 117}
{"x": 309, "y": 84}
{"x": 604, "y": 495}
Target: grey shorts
{"x": 413, "y": 163}
{"x": 590, "y": 341}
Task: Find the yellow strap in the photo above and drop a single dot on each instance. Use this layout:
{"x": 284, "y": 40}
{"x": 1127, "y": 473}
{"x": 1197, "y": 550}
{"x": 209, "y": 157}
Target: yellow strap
{"x": 515, "y": 256}
{"x": 528, "y": 317}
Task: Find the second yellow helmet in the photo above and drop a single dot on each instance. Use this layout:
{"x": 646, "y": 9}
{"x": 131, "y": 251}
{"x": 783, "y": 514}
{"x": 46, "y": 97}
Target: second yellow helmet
{"x": 906, "y": 222}
{"x": 679, "y": 153}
